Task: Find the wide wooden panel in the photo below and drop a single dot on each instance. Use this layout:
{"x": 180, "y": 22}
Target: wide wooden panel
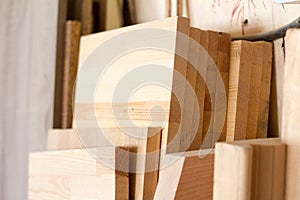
{"x": 290, "y": 113}
{"x": 77, "y": 174}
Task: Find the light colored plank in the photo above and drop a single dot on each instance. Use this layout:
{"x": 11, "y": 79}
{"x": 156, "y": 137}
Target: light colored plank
{"x": 144, "y": 161}
{"x": 28, "y": 35}
{"x": 250, "y": 169}
{"x": 239, "y": 83}
{"x": 72, "y": 39}
{"x": 188, "y": 177}
{"x": 77, "y": 174}
{"x": 291, "y": 114}
{"x": 264, "y": 103}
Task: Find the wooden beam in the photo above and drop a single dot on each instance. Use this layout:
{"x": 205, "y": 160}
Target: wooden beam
{"x": 78, "y": 174}
{"x": 72, "y": 39}
{"x": 190, "y": 176}
{"x": 291, "y": 114}
{"x": 250, "y": 169}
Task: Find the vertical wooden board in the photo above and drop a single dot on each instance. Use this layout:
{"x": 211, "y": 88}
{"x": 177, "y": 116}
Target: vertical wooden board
{"x": 87, "y": 17}
{"x": 62, "y": 16}
{"x": 276, "y": 93}
{"x": 264, "y": 102}
{"x": 232, "y": 176}
{"x": 223, "y": 63}
{"x": 254, "y": 91}
{"x": 268, "y": 171}
{"x": 77, "y": 174}
{"x": 238, "y": 97}
{"x": 188, "y": 118}
{"x": 200, "y": 89}
{"x": 72, "y": 39}
{"x": 290, "y": 113}
{"x": 175, "y": 115}
{"x": 211, "y": 77}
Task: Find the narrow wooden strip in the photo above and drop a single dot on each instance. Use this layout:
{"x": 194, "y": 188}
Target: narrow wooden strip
{"x": 72, "y": 40}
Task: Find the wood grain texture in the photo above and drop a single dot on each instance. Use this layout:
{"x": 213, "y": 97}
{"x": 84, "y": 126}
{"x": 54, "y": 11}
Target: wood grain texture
{"x": 250, "y": 169}
{"x": 265, "y": 90}
{"x": 290, "y": 113}
{"x": 72, "y": 40}
{"x": 200, "y": 90}
{"x": 60, "y": 46}
{"x": 239, "y": 87}
{"x": 77, "y": 174}
{"x": 276, "y": 94}
{"x": 190, "y": 176}
{"x": 87, "y": 20}
{"x": 254, "y": 91}
{"x": 27, "y": 63}
{"x": 144, "y": 161}
{"x": 189, "y": 120}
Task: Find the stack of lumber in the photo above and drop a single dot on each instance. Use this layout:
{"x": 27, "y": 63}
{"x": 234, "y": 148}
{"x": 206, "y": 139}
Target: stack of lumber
{"x": 219, "y": 90}
{"x": 250, "y": 169}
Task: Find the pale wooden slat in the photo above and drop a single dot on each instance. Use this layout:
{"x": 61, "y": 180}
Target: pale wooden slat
{"x": 290, "y": 113}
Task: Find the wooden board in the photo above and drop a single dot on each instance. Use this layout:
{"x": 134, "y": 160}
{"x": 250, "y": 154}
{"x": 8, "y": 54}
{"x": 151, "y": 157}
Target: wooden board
{"x": 200, "y": 91}
{"x": 189, "y": 177}
{"x": 250, "y": 169}
{"x": 290, "y": 113}
{"x": 72, "y": 39}
{"x": 265, "y": 90}
{"x": 28, "y": 35}
{"x": 189, "y": 126}
{"x": 77, "y": 174}
{"x": 143, "y": 182}
{"x": 254, "y": 90}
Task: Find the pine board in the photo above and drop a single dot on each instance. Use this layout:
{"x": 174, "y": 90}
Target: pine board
{"x": 77, "y": 174}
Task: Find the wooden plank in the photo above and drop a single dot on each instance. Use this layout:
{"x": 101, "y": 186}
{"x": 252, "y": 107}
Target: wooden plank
{"x": 264, "y": 105}
{"x": 254, "y": 91}
{"x": 250, "y": 169}
{"x": 189, "y": 120}
{"x": 60, "y": 44}
{"x": 211, "y": 78}
{"x": 291, "y": 114}
{"x": 276, "y": 94}
{"x": 87, "y": 17}
{"x": 28, "y": 35}
{"x": 72, "y": 39}
{"x": 77, "y": 174}
{"x": 143, "y": 143}
{"x": 200, "y": 90}
{"x": 188, "y": 177}
{"x": 223, "y": 62}
{"x": 238, "y": 97}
